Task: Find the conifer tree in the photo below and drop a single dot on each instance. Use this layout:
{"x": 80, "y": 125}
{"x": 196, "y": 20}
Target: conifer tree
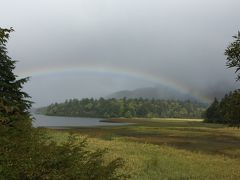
{"x": 28, "y": 153}
{"x": 13, "y": 101}
{"x": 213, "y": 112}
{"x": 228, "y": 110}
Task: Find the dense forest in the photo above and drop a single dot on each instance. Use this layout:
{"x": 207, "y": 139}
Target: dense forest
{"x": 227, "y": 111}
{"x": 108, "y": 108}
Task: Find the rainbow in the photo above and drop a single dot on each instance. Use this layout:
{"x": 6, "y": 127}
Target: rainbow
{"x": 114, "y": 71}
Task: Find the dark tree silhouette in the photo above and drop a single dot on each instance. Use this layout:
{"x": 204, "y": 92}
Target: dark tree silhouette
{"x": 233, "y": 55}
{"x": 13, "y": 101}
{"x": 213, "y": 112}
{"x": 228, "y": 110}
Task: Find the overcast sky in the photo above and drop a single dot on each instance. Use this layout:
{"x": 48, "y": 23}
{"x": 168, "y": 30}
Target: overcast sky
{"x": 179, "y": 41}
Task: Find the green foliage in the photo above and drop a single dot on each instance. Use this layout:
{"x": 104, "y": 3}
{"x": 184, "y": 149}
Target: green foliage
{"x": 13, "y": 101}
{"x": 33, "y": 157}
{"x": 26, "y": 153}
{"x": 227, "y": 111}
{"x": 233, "y": 55}
{"x": 230, "y": 108}
{"x": 125, "y": 108}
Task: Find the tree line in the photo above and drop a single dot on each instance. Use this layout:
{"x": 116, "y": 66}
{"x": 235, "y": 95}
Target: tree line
{"x": 227, "y": 111}
{"x": 108, "y": 108}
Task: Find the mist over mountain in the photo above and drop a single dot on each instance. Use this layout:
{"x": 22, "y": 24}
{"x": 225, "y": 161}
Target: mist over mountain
{"x": 159, "y": 92}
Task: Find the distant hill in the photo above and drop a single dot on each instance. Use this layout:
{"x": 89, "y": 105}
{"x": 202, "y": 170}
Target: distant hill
{"x": 164, "y": 93}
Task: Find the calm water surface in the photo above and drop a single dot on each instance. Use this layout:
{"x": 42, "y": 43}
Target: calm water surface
{"x": 60, "y": 122}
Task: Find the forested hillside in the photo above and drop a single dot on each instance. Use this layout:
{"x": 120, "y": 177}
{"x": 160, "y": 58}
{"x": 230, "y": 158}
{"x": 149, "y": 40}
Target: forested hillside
{"x": 158, "y": 92}
{"x": 125, "y": 108}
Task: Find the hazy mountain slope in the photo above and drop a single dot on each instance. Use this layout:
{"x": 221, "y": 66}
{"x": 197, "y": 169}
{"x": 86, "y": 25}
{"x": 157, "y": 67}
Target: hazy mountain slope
{"x": 152, "y": 92}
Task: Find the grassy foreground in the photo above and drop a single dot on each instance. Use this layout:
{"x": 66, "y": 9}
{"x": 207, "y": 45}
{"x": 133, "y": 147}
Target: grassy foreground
{"x": 167, "y": 148}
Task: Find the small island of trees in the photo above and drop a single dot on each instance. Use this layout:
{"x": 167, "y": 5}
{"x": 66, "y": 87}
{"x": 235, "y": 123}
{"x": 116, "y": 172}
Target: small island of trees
{"x": 109, "y": 108}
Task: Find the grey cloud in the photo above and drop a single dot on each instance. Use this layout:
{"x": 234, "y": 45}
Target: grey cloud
{"x": 182, "y": 40}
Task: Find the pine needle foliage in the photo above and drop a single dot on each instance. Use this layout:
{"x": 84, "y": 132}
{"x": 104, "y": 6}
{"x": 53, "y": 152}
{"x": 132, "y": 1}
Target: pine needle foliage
{"x": 27, "y": 153}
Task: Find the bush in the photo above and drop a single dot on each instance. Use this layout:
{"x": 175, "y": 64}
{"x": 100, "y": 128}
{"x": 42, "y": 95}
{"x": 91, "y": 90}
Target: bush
{"x": 30, "y": 154}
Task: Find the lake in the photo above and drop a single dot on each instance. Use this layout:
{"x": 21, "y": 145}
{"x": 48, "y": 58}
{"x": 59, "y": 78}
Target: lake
{"x": 64, "y": 122}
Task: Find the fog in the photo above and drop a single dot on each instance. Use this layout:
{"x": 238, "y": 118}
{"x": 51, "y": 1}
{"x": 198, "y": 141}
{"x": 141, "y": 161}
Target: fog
{"x": 62, "y": 44}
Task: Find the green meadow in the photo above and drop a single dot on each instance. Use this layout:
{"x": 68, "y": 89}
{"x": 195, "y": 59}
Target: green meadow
{"x": 166, "y": 148}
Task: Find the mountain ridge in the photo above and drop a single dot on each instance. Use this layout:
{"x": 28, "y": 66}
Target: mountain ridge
{"x": 159, "y": 92}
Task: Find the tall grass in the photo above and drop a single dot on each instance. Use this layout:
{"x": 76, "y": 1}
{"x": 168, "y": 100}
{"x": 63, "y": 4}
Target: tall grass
{"x": 150, "y": 161}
